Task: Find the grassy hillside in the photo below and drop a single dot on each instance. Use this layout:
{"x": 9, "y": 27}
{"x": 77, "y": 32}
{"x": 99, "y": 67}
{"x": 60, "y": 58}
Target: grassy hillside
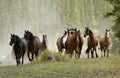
{"x": 83, "y": 68}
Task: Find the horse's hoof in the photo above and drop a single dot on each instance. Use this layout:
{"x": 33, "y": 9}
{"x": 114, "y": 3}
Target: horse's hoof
{"x": 30, "y": 59}
{"x": 17, "y": 65}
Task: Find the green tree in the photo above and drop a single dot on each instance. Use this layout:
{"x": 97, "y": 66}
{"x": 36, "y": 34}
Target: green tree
{"x": 115, "y": 13}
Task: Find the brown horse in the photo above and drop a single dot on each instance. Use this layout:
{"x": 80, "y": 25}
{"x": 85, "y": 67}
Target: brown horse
{"x": 43, "y": 45}
{"x": 61, "y": 42}
{"x": 74, "y": 43}
{"x": 92, "y": 42}
{"x": 105, "y": 43}
{"x": 33, "y": 43}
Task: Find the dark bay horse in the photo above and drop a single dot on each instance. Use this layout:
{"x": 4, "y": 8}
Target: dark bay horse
{"x": 19, "y": 46}
{"x": 33, "y": 43}
{"x": 105, "y": 42}
{"x": 43, "y": 45}
{"x": 74, "y": 43}
{"x": 61, "y": 42}
{"x": 92, "y": 42}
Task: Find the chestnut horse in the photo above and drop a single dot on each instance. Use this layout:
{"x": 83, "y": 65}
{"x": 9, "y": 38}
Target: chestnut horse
{"x": 33, "y": 43}
{"x": 61, "y": 42}
{"x": 43, "y": 45}
{"x": 105, "y": 43}
{"x": 74, "y": 43}
{"x": 92, "y": 42}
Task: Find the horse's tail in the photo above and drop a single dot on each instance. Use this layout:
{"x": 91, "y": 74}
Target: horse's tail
{"x": 87, "y": 51}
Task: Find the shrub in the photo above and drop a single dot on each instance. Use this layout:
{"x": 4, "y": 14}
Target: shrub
{"x": 60, "y": 57}
{"x": 45, "y": 55}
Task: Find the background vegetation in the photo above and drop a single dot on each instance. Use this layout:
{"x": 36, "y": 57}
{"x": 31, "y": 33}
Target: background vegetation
{"x": 52, "y": 17}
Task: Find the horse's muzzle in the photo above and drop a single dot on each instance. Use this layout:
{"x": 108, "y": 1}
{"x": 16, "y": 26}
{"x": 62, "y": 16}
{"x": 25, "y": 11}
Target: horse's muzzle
{"x": 84, "y": 35}
{"x": 10, "y": 44}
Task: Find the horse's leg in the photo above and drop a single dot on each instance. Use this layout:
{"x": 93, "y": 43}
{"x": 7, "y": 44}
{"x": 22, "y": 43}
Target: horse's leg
{"x": 36, "y": 54}
{"x": 29, "y": 56}
{"x": 23, "y": 56}
{"x": 16, "y": 56}
{"x": 60, "y": 50}
{"x": 76, "y": 53}
{"x": 104, "y": 52}
{"x": 70, "y": 54}
{"x": 22, "y": 59}
{"x": 18, "y": 59}
{"x": 32, "y": 56}
{"x": 79, "y": 52}
{"x": 96, "y": 53}
{"x": 107, "y": 52}
{"x": 92, "y": 53}
{"x": 87, "y": 52}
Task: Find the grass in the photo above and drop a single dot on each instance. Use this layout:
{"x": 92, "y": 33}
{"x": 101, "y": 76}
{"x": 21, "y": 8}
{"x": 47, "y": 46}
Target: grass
{"x": 83, "y": 68}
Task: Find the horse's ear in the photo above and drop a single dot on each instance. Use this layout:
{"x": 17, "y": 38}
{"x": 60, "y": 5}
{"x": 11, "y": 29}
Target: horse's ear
{"x": 25, "y": 31}
{"x": 75, "y": 29}
{"x": 87, "y": 27}
{"x": 11, "y": 35}
{"x": 67, "y": 28}
{"x": 65, "y": 31}
{"x": 106, "y": 29}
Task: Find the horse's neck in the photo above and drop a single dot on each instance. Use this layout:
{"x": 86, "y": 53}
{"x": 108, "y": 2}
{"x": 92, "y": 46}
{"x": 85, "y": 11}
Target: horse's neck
{"x": 18, "y": 41}
{"x": 31, "y": 37}
{"x": 91, "y": 35}
{"x": 44, "y": 43}
{"x": 106, "y": 39}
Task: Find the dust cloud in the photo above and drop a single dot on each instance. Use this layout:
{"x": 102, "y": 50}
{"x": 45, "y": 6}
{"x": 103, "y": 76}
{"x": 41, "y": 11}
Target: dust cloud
{"x": 39, "y": 17}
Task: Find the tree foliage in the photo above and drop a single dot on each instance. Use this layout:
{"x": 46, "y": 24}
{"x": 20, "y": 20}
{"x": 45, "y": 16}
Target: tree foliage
{"x": 115, "y": 13}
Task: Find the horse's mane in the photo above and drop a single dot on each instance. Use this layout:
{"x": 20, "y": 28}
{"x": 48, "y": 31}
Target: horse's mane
{"x": 91, "y": 32}
{"x": 18, "y": 38}
{"x": 31, "y": 36}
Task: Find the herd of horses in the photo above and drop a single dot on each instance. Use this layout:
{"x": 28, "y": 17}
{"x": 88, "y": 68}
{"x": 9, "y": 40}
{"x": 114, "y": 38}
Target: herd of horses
{"x": 29, "y": 43}
{"x": 72, "y": 41}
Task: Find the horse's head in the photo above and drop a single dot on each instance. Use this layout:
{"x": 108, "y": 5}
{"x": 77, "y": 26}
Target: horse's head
{"x": 71, "y": 30}
{"x": 12, "y": 39}
{"x": 107, "y": 33}
{"x": 45, "y": 37}
{"x": 87, "y": 31}
{"x": 28, "y": 35}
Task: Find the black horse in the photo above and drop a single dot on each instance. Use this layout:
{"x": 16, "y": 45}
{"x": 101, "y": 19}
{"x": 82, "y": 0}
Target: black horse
{"x": 33, "y": 43}
{"x": 19, "y": 46}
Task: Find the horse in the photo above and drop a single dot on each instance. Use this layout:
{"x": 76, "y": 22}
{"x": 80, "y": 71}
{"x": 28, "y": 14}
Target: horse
{"x": 61, "y": 42}
{"x": 33, "y": 43}
{"x": 105, "y": 42}
{"x": 43, "y": 45}
{"x": 19, "y": 46}
{"x": 74, "y": 43}
{"x": 92, "y": 42}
